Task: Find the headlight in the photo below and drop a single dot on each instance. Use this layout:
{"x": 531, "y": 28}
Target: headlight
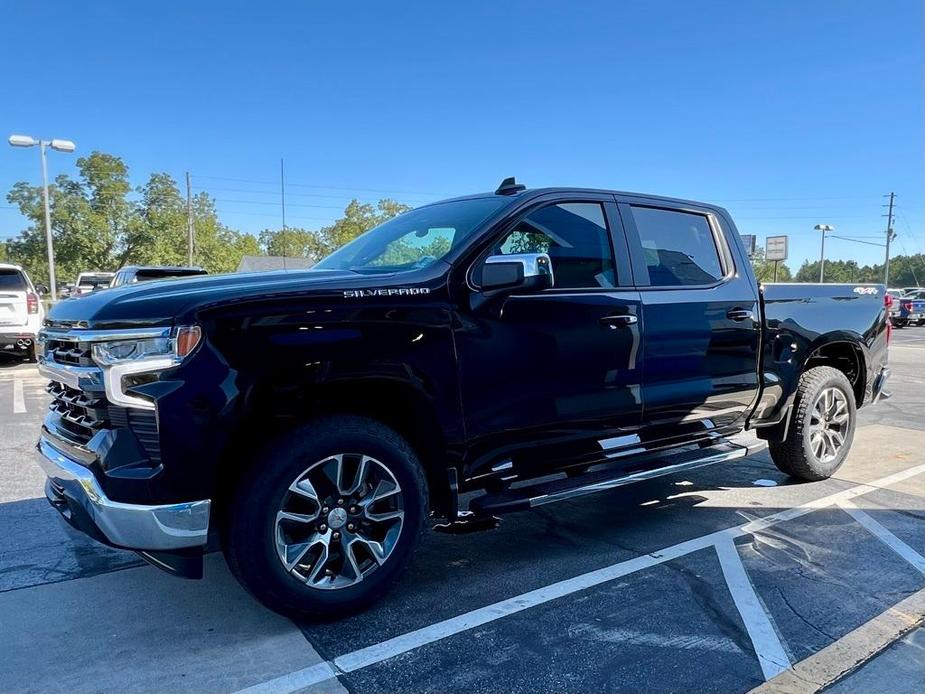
{"x": 128, "y": 361}
{"x": 164, "y": 350}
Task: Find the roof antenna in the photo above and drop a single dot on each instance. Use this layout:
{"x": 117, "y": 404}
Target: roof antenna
{"x": 509, "y": 186}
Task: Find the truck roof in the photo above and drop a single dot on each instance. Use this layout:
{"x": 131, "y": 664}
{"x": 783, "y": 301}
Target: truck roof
{"x": 536, "y": 192}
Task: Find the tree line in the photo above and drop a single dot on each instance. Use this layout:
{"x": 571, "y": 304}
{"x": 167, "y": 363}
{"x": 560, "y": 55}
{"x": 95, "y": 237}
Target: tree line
{"x": 100, "y": 223}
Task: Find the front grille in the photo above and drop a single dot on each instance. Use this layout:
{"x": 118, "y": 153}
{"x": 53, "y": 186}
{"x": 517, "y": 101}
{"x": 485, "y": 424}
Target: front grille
{"x": 81, "y": 413}
{"x": 65, "y": 352}
{"x": 78, "y": 415}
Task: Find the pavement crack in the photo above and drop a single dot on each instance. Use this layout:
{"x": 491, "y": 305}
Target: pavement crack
{"x": 802, "y": 618}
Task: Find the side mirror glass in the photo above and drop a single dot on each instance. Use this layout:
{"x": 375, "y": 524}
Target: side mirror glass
{"x": 523, "y": 271}
{"x": 41, "y": 289}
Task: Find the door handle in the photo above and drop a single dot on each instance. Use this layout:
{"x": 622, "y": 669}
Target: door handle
{"x": 620, "y": 321}
{"x": 738, "y": 314}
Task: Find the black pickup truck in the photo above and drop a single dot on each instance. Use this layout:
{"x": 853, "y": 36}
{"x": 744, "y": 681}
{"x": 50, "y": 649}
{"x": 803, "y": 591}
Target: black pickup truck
{"x": 472, "y": 357}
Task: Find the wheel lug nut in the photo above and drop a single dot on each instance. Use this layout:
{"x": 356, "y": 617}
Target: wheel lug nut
{"x": 324, "y": 509}
{"x": 353, "y": 509}
{"x": 323, "y": 528}
{"x": 340, "y": 502}
{"x": 335, "y": 536}
{"x": 350, "y": 527}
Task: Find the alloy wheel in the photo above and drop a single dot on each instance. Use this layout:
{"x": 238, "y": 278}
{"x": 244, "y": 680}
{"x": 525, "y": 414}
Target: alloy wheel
{"x": 828, "y": 424}
{"x": 339, "y": 521}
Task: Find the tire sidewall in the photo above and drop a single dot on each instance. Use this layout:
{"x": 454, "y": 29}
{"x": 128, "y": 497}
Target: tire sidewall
{"x": 253, "y": 520}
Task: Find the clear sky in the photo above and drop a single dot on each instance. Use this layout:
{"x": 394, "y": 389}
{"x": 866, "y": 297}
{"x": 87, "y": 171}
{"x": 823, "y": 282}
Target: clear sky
{"x": 789, "y": 113}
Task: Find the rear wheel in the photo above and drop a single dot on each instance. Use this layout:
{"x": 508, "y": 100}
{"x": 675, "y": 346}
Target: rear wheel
{"x": 821, "y": 427}
{"x": 325, "y": 522}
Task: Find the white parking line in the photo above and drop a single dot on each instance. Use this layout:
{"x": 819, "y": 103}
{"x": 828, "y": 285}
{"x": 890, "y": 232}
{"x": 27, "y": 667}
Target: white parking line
{"x": 377, "y": 653}
{"x": 771, "y": 655}
{"x": 19, "y": 400}
{"x": 884, "y": 535}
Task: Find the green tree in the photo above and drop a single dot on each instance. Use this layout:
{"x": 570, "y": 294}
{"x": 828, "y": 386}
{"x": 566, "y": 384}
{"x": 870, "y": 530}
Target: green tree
{"x": 97, "y": 226}
{"x": 358, "y": 218}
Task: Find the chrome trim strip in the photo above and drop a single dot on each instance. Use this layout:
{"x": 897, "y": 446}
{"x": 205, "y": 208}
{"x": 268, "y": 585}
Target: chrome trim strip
{"x": 105, "y": 335}
{"x": 638, "y": 477}
{"x": 74, "y": 376}
{"x": 134, "y": 526}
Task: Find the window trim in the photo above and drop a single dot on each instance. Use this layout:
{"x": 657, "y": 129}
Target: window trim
{"x": 641, "y": 269}
{"x": 623, "y": 279}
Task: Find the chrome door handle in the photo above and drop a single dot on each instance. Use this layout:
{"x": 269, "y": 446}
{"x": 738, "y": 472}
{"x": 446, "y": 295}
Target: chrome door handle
{"x": 738, "y": 314}
{"x": 619, "y": 321}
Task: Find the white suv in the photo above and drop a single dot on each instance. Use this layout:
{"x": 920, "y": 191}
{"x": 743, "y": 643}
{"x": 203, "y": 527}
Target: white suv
{"x": 21, "y": 312}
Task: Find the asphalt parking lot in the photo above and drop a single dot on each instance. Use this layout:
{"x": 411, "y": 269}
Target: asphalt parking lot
{"x": 724, "y": 579}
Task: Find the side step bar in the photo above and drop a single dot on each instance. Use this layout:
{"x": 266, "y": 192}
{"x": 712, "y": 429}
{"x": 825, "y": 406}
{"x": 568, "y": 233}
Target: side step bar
{"x": 542, "y": 493}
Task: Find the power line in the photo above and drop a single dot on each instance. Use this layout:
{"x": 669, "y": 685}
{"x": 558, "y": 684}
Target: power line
{"x": 276, "y": 204}
{"x": 320, "y": 187}
{"x": 846, "y": 238}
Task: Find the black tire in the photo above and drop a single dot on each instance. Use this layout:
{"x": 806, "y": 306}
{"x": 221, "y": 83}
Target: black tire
{"x": 795, "y": 455}
{"x": 249, "y": 537}
{"x": 899, "y": 323}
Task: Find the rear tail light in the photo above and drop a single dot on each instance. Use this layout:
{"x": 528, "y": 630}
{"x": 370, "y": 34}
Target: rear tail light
{"x": 32, "y": 303}
{"x": 907, "y": 305}
{"x": 887, "y": 300}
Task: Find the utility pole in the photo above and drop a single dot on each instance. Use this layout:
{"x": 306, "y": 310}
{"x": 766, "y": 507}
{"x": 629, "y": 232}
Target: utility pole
{"x": 889, "y": 237}
{"x": 282, "y": 198}
{"x": 823, "y": 228}
{"x": 189, "y": 219}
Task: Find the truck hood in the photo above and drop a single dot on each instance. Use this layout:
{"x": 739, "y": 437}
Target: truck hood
{"x": 162, "y": 302}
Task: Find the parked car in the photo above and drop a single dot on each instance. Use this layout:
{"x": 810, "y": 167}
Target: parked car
{"x": 144, "y": 273}
{"x": 89, "y": 282}
{"x": 505, "y": 350}
{"x": 892, "y": 301}
{"x": 911, "y": 310}
{"x": 21, "y": 312}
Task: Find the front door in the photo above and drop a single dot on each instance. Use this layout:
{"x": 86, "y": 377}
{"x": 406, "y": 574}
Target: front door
{"x": 541, "y": 372}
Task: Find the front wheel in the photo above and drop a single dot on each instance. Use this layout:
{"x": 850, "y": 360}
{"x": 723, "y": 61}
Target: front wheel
{"x": 327, "y": 518}
{"x": 821, "y": 427}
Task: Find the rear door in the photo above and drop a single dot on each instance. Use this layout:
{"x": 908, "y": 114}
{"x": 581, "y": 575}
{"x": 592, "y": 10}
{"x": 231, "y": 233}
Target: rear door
{"x": 700, "y": 317}
{"x": 13, "y": 292}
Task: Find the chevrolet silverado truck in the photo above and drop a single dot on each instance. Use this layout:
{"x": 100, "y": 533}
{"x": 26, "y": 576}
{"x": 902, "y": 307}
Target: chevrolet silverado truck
{"x": 470, "y": 358}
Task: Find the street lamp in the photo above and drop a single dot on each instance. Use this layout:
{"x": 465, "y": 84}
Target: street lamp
{"x": 823, "y": 228}
{"x": 58, "y": 146}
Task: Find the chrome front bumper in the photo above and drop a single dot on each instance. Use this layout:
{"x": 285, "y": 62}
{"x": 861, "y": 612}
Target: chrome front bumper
{"x": 75, "y": 493}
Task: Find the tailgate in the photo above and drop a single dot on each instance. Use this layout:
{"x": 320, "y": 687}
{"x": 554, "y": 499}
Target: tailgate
{"x": 13, "y": 311}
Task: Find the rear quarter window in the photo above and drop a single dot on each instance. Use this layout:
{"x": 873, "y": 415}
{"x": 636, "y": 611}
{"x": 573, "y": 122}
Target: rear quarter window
{"x": 13, "y": 280}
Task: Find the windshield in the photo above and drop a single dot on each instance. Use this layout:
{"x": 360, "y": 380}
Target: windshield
{"x": 415, "y": 239}
{"x": 94, "y": 281}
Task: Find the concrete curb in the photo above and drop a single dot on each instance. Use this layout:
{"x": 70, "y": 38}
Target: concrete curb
{"x": 852, "y": 650}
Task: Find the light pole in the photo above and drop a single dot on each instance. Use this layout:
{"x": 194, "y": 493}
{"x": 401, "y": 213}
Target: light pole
{"x": 59, "y": 146}
{"x": 823, "y": 228}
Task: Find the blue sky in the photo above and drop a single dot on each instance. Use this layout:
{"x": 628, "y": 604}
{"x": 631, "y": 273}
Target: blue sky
{"x": 788, "y": 113}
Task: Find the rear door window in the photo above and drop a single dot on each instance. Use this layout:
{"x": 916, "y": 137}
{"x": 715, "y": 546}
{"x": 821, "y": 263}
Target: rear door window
{"x": 679, "y": 247}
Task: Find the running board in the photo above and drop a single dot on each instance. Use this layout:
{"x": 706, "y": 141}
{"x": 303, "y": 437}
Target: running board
{"x": 540, "y": 494}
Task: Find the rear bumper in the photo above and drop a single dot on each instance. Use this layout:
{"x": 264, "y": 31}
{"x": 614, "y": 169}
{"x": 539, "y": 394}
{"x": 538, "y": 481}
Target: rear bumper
{"x": 17, "y": 341}
{"x": 73, "y": 490}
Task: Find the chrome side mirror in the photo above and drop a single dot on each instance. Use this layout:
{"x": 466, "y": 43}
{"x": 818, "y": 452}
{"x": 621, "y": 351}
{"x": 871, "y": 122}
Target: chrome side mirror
{"x": 525, "y": 271}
